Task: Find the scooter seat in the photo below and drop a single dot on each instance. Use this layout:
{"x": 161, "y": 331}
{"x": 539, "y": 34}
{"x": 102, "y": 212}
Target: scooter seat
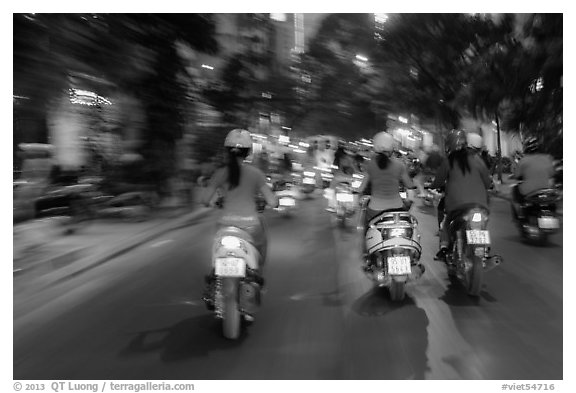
{"x": 236, "y": 232}
{"x": 546, "y": 195}
{"x": 391, "y": 215}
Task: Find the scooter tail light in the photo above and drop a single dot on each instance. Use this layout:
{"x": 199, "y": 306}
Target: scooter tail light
{"x": 231, "y": 242}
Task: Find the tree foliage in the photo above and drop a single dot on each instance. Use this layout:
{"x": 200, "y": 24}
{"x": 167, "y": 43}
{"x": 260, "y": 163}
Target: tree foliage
{"x": 339, "y": 98}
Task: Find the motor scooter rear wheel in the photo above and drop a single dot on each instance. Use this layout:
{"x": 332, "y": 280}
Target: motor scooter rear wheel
{"x": 230, "y": 310}
{"x": 397, "y": 290}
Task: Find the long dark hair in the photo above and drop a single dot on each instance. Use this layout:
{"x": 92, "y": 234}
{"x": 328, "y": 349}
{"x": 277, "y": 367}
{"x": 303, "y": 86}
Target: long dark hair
{"x": 382, "y": 159}
{"x": 233, "y": 167}
{"x": 461, "y": 158}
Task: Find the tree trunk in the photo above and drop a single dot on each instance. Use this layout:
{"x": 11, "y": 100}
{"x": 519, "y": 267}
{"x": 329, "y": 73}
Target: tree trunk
{"x": 499, "y": 152}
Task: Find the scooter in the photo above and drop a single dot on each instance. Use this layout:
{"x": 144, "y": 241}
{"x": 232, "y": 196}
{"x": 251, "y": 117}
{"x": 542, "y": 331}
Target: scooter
{"x": 345, "y": 202}
{"x": 287, "y": 198}
{"x": 393, "y": 247}
{"x": 468, "y": 256}
{"x": 234, "y": 288}
{"x": 536, "y": 216}
{"x": 308, "y": 183}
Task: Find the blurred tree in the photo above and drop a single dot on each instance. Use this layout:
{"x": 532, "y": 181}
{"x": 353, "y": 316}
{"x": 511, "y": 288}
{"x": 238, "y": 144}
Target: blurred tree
{"x": 424, "y": 59}
{"x": 238, "y": 95}
{"x": 135, "y": 52}
{"x": 536, "y": 106}
{"x": 516, "y": 77}
{"x": 338, "y": 67}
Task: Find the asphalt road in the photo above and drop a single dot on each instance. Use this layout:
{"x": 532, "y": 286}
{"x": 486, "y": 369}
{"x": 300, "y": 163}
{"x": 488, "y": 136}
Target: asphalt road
{"x": 140, "y": 316}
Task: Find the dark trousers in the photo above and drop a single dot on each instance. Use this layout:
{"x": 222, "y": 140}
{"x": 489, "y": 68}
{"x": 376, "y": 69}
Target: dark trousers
{"x": 441, "y": 212}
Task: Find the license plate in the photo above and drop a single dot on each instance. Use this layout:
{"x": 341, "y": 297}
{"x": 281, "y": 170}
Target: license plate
{"x": 287, "y": 202}
{"x": 344, "y": 197}
{"x": 230, "y": 267}
{"x": 548, "y": 223}
{"x": 476, "y": 236}
{"x": 309, "y": 180}
{"x": 399, "y": 265}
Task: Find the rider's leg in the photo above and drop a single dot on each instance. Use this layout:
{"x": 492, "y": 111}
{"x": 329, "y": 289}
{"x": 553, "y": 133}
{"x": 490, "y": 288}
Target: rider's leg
{"x": 444, "y": 238}
{"x": 440, "y": 211}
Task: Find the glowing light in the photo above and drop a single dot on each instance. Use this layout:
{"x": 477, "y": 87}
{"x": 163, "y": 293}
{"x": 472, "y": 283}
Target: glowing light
{"x": 361, "y": 58}
{"x": 304, "y": 144}
{"x": 231, "y": 242}
{"x": 380, "y": 18}
{"x": 85, "y": 97}
{"x": 278, "y": 17}
{"x": 402, "y": 119}
{"x": 397, "y": 232}
{"x": 209, "y": 67}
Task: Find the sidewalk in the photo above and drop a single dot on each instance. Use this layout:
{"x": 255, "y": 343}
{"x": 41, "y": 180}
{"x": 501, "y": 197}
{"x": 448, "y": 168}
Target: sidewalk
{"x": 43, "y": 251}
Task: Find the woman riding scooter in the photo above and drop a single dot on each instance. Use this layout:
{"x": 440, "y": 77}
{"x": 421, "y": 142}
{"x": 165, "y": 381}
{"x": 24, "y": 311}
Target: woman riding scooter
{"x": 241, "y": 183}
{"x": 384, "y": 175}
{"x": 466, "y": 181}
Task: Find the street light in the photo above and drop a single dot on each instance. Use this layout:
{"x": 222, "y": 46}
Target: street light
{"x": 361, "y": 58}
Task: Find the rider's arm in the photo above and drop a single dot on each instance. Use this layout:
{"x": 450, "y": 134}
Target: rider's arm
{"x": 440, "y": 176}
{"x": 406, "y": 179}
{"x": 364, "y": 184}
{"x": 551, "y": 169}
{"x": 519, "y": 169}
{"x": 486, "y": 179}
{"x": 215, "y": 182}
{"x": 269, "y": 196}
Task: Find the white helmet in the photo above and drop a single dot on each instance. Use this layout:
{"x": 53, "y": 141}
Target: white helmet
{"x": 383, "y": 142}
{"x": 238, "y": 138}
{"x": 474, "y": 140}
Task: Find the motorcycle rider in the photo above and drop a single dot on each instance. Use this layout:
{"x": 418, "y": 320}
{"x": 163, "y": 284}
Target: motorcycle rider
{"x": 384, "y": 175}
{"x": 465, "y": 179}
{"x": 535, "y": 170}
{"x": 241, "y": 183}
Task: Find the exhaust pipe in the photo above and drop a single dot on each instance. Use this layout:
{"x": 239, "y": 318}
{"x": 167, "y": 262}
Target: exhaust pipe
{"x": 492, "y": 262}
{"x": 417, "y": 271}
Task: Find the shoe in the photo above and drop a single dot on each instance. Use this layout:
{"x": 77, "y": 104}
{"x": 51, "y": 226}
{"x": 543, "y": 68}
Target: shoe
{"x": 441, "y": 255}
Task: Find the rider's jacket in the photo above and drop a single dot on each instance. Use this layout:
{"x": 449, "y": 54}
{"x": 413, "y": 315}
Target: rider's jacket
{"x": 536, "y": 172}
{"x": 385, "y": 184}
{"x": 240, "y": 200}
{"x": 463, "y": 188}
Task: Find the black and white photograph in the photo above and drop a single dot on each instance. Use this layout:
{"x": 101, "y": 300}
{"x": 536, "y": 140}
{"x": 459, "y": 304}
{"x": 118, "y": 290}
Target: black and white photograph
{"x": 240, "y": 196}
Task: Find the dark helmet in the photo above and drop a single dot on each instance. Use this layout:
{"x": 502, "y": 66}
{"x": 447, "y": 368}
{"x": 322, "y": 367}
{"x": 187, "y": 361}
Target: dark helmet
{"x": 456, "y": 140}
{"x": 531, "y": 145}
